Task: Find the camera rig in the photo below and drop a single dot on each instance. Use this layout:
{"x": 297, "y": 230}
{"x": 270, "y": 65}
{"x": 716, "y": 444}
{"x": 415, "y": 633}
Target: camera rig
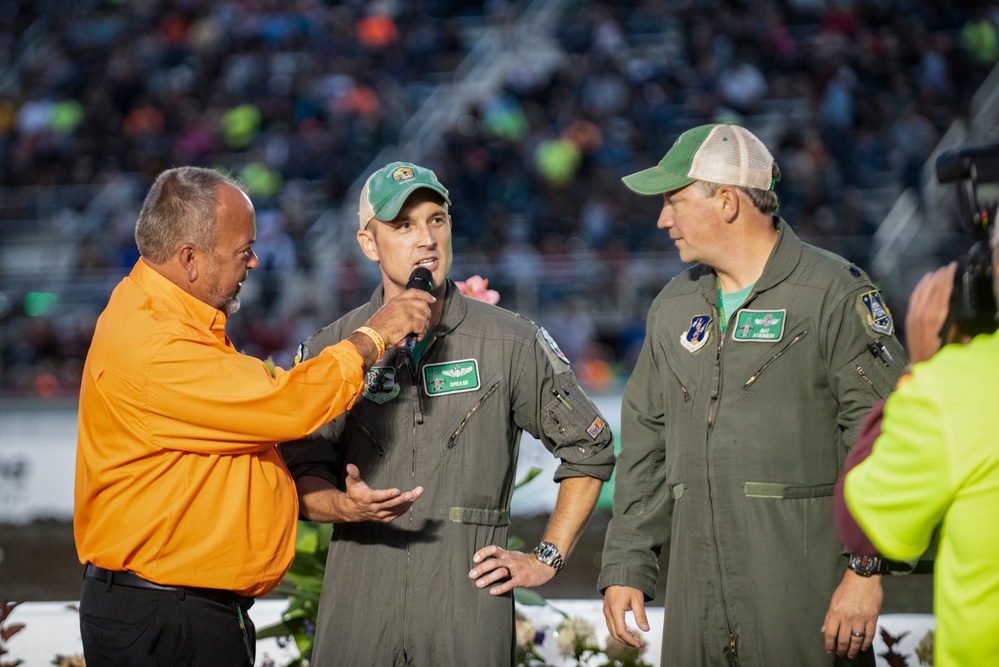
{"x": 973, "y": 302}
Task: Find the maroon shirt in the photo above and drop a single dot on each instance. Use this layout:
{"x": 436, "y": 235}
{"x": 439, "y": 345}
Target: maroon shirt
{"x": 850, "y": 533}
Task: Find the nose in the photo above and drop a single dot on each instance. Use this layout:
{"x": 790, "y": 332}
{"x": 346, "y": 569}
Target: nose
{"x": 426, "y": 236}
{"x": 253, "y": 262}
{"x": 665, "y": 220}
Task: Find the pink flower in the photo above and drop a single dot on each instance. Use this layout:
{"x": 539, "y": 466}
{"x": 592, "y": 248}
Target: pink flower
{"x": 477, "y": 287}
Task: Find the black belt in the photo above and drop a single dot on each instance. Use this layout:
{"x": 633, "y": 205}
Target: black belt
{"x": 127, "y": 579}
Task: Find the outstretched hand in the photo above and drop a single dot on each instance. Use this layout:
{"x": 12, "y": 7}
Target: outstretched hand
{"x": 362, "y": 503}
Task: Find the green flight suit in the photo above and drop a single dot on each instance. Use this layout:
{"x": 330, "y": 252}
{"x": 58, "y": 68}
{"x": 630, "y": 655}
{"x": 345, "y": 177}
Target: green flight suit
{"x": 730, "y": 449}
{"x": 399, "y": 593}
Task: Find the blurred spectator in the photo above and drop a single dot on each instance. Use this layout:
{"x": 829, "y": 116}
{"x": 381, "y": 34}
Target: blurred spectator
{"x": 300, "y": 97}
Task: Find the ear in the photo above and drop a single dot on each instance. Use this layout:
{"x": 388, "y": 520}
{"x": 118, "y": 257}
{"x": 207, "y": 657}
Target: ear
{"x": 187, "y": 259}
{"x": 366, "y": 239}
{"x": 729, "y": 201}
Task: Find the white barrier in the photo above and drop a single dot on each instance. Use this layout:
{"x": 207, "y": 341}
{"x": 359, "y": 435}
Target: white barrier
{"x": 52, "y": 629}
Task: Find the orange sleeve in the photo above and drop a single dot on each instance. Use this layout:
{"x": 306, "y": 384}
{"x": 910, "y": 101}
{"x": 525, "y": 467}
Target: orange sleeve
{"x": 217, "y": 401}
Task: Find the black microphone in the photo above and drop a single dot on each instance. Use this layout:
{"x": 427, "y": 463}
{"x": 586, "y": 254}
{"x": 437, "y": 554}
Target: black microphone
{"x": 420, "y": 278}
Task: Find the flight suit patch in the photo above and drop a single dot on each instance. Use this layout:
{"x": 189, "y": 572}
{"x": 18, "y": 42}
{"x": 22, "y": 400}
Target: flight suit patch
{"x": 451, "y": 377}
{"x": 553, "y": 347}
{"x": 878, "y": 316}
{"x": 761, "y": 326}
{"x": 593, "y": 430}
{"x": 696, "y": 336}
{"x": 380, "y": 385}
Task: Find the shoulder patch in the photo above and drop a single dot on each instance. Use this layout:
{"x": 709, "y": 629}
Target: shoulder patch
{"x": 879, "y": 319}
{"x": 552, "y": 349}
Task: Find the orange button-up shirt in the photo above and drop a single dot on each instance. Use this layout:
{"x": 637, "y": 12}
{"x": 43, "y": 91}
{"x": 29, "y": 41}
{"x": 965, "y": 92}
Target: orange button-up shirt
{"x": 177, "y": 474}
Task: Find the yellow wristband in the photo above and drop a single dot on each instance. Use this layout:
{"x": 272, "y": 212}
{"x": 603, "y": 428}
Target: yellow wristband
{"x": 375, "y": 338}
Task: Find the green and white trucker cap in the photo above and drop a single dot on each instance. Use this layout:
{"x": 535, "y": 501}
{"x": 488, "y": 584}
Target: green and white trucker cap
{"x": 387, "y": 190}
{"x": 718, "y": 153}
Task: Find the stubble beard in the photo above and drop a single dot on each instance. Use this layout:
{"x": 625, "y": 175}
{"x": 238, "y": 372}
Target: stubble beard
{"x": 227, "y": 303}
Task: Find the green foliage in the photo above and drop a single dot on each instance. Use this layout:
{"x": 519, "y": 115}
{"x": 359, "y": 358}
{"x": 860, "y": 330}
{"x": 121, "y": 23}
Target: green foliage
{"x": 302, "y": 584}
{"x": 8, "y": 630}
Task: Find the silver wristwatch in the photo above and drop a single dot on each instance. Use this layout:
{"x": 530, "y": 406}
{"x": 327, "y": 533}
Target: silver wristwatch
{"x": 548, "y": 553}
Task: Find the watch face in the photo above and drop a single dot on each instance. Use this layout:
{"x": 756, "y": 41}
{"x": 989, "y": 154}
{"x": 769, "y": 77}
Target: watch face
{"x": 865, "y": 565}
{"x": 547, "y": 551}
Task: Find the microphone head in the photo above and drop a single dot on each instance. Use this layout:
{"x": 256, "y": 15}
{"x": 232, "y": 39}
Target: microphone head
{"x": 421, "y": 278}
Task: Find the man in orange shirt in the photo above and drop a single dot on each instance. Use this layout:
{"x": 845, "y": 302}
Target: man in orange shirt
{"x": 184, "y": 510}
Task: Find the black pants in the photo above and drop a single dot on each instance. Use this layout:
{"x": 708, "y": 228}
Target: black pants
{"x": 123, "y": 626}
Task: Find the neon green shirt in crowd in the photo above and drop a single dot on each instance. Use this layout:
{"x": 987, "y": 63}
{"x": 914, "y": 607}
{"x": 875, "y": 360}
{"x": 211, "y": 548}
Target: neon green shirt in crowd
{"x": 936, "y": 463}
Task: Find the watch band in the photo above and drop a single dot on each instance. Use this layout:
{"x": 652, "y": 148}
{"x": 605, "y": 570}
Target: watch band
{"x": 548, "y": 553}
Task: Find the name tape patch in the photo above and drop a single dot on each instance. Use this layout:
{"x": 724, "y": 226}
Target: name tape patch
{"x": 761, "y": 326}
{"x": 451, "y": 377}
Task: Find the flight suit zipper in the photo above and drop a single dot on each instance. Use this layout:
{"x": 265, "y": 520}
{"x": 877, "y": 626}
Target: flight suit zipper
{"x": 478, "y": 404}
{"x": 774, "y": 358}
{"x": 371, "y": 437}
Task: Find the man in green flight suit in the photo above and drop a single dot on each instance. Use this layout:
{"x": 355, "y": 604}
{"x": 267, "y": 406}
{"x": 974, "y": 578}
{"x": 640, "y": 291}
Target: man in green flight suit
{"x": 429, "y": 583}
{"x": 759, "y": 364}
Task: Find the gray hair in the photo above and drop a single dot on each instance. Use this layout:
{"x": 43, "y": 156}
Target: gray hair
{"x": 180, "y": 208}
{"x": 764, "y": 200}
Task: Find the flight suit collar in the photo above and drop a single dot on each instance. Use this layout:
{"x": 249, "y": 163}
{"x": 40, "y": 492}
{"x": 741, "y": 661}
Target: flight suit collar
{"x": 783, "y": 259}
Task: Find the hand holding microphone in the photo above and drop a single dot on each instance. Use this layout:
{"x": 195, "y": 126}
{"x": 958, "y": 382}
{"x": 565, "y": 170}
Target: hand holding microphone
{"x": 400, "y": 320}
{"x": 420, "y": 279}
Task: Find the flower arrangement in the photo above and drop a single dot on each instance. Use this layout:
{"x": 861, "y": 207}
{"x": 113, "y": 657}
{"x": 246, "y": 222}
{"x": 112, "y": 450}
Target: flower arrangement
{"x": 477, "y": 287}
{"x": 576, "y": 641}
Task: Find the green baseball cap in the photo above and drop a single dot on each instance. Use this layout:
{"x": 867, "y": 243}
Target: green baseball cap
{"x": 719, "y": 153}
{"x": 386, "y": 191}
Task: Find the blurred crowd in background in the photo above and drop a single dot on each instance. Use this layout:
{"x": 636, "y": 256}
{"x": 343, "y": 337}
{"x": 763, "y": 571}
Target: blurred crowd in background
{"x": 297, "y": 99}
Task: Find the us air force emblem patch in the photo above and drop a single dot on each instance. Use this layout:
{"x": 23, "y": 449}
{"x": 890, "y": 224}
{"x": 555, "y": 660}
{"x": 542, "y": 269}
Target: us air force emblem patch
{"x": 878, "y": 317}
{"x": 451, "y": 377}
{"x": 696, "y": 336}
{"x": 380, "y": 385}
{"x": 554, "y": 346}
{"x": 763, "y": 326}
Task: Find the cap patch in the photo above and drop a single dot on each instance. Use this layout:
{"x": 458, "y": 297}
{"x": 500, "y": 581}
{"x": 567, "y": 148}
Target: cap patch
{"x": 402, "y": 174}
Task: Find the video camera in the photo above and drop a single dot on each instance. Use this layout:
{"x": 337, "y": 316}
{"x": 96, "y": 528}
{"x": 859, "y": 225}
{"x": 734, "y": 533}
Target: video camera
{"x": 972, "y": 301}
